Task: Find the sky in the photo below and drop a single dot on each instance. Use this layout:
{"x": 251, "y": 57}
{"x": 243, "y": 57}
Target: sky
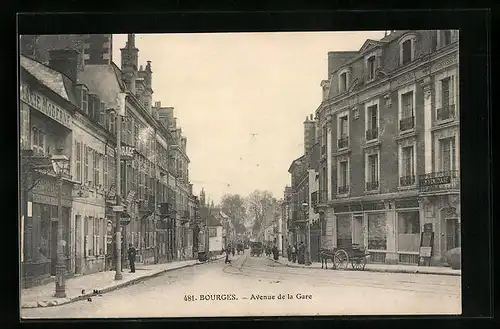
{"x": 241, "y": 99}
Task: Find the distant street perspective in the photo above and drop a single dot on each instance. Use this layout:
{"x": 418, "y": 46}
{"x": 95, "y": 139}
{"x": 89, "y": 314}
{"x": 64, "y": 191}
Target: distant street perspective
{"x": 325, "y": 184}
{"x": 247, "y": 287}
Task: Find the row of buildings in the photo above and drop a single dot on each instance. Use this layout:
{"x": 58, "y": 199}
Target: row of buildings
{"x": 382, "y": 153}
{"x": 69, "y": 89}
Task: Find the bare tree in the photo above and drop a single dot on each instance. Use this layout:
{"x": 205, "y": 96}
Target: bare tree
{"x": 233, "y": 205}
{"x": 259, "y": 203}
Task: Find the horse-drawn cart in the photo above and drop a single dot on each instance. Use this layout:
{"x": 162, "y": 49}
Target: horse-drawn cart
{"x": 341, "y": 257}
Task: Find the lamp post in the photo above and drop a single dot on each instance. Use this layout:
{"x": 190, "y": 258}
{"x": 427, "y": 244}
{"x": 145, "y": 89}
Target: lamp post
{"x": 120, "y": 113}
{"x": 305, "y": 208}
{"x": 60, "y": 164}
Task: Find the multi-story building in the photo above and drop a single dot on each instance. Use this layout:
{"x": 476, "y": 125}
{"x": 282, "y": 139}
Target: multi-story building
{"x": 69, "y": 107}
{"x": 389, "y": 163}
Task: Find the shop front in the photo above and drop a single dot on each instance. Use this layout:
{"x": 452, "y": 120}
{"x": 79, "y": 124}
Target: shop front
{"x": 41, "y": 232}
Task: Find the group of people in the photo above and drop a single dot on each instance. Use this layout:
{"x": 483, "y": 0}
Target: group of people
{"x": 229, "y": 250}
{"x": 296, "y": 253}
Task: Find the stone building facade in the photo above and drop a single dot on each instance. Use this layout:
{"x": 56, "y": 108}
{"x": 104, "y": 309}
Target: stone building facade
{"x": 389, "y": 123}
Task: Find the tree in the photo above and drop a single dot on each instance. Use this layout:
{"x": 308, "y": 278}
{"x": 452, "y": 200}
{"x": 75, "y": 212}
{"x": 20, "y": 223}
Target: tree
{"x": 259, "y": 203}
{"x": 233, "y": 205}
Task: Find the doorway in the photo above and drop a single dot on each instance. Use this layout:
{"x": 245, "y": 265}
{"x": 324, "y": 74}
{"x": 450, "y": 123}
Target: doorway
{"x": 357, "y": 230}
{"x": 452, "y": 233}
{"x": 53, "y": 246}
{"x": 77, "y": 247}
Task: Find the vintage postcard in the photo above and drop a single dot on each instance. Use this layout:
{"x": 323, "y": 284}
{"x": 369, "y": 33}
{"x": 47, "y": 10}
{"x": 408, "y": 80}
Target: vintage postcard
{"x": 239, "y": 174}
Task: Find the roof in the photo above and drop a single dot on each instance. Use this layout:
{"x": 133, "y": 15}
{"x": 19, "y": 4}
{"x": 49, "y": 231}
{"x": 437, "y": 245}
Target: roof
{"x": 213, "y": 221}
{"x": 104, "y": 80}
{"x": 54, "y": 80}
{"x": 393, "y": 36}
{"x": 295, "y": 162}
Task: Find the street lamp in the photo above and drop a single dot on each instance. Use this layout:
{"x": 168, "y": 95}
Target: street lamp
{"x": 60, "y": 163}
{"x": 305, "y": 208}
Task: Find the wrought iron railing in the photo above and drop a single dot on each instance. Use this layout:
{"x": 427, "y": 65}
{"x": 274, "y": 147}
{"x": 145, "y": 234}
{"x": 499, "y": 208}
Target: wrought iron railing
{"x": 407, "y": 123}
{"x": 343, "y": 142}
{"x": 371, "y": 134}
{"x": 407, "y": 180}
{"x": 373, "y": 185}
{"x": 446, "y": 112}
{"x": 438, "y": 181}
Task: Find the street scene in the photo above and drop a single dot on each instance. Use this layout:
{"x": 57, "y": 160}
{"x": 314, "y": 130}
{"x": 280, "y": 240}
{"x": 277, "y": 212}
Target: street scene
{"x": 174, "y": 175}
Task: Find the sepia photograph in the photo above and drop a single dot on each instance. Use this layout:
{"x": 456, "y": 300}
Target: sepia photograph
{"x": 182, "y": 175}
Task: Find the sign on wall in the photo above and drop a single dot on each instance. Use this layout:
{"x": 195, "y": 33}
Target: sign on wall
{"x": 127, "y": 152}
{"x": 45, "y": 106}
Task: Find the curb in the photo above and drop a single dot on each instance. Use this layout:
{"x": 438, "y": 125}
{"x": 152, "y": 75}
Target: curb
{"x": 64, "y": 301}
{"x": 382, "y": 270}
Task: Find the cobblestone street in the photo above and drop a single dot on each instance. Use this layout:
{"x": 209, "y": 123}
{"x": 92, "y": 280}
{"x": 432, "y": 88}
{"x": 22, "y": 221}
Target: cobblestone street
{"x": 247, "y": 287}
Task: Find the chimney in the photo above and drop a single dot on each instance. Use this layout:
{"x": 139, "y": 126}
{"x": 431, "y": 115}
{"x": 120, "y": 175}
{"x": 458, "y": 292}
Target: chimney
{"x": 158, "y": 104}
{"x": 65, "y": 61}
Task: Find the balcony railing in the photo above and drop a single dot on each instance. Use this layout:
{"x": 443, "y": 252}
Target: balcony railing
{"x": 343, "y": 142}
{"x": 439, "y": 181}
{"x": 343, "y": 189}
{"x": 373, "y": 185}
{"x": 407, "y": 180}
{"x": 446, "y": 112}
{"x": 407, "y": 123}
{"x": 371, "y": 134}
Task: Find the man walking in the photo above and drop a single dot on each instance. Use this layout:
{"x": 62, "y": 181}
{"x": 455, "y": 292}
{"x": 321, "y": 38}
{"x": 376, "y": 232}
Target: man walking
{"x": 131, "y": 257}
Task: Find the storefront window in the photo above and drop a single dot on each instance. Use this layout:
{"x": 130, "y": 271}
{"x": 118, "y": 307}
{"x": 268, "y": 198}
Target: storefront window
{"x": 377, "y": 231}
{"x": 408, "y": 231}
{"x": 344, "y": 232}
{"x": 44, "y": 247}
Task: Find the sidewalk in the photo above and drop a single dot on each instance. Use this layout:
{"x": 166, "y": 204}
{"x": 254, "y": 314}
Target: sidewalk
{"x": 82, "y": 287}
{"x": 397, "y": 268}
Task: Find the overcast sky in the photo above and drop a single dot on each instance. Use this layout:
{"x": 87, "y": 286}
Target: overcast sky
{"x": 227, "y": 86}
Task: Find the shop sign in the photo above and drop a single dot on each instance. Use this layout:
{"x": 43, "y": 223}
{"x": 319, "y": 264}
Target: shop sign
{"x": 46, "y": 106}
{"x": 52, "y": 200}
{"x": 127, "y": 152}
{"x": 436, "y": 180}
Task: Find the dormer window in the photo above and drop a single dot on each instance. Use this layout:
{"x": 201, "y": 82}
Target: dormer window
{"x": 444, "y": 38}
{"x": 371, "y": 67}
{"x": 407, "y": 49}
{"x": 343, "y": 80}
{"x": 85, "y": 101}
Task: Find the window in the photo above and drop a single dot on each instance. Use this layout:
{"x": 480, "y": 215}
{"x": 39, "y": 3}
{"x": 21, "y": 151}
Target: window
{"x": 343, "y": 82}
{"x": 371, "y": 67}
{"x": 343, "y": 177}
{"x": 90, "y": 173}
{"x": 39, "y": 141}
{"x": 377, "y": 231}
{"x": 85, "y": 164}
{"x": 372, "y": 181}
{"x": 96, "y": 168}
{"x": 445, "y": 100}
{"x": 105, "y": 172}
{"x": 408, "y": 231}
{"x": 372, "y": 122}
{"x": 96, "y": 236}
{"x": 78, "y": 161}
{"x": 408, "y": 166}
{"x": 344, "y": 231}
{"x": 444, "y": 37}
{"x": 343, "y": 126}
{"x": 406, "y": 52}
{"x": 85, "y": 101}
{"x": 406, "y": 113}
{"x": 447, "y": 154}
{"x": 112, "y": 123}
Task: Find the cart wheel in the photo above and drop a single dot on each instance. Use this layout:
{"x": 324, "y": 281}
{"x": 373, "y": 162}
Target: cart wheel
{"x": 341, "y": 259}
{"x": 359, "y": 263}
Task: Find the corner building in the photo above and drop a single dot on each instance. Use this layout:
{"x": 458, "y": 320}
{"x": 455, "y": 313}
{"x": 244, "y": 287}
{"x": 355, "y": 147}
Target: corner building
{"x": 389, "y": 134}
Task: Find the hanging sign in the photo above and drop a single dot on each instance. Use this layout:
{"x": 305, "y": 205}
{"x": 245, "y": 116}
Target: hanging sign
{"x": 127, "y": 152}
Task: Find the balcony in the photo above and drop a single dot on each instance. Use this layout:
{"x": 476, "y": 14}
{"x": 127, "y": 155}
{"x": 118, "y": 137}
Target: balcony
{"x": 407, "y": 123}
{"x": 371, "y": 134}
{"x": 371, "y": 186}
{"x": 343, "y": 189}
{"x": 439, "y": 181}
{"x": 343, "y": 142}
{"x": 446, "y": 113}
{"x": 407, "y": 180}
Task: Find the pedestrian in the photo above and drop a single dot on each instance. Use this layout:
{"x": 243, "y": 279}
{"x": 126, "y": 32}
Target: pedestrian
{"x": 232, "y": 251}
{"x": 294, "y": 253}
{"x": 131, "y": 257}
{"x": 227, "y": 255}
{"x": 289, "y": 253}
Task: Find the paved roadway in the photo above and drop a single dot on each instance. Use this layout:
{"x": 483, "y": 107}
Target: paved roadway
{"x": 313, "y": 292}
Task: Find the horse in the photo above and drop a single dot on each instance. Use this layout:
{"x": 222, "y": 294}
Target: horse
{"x": 326, "y": 254}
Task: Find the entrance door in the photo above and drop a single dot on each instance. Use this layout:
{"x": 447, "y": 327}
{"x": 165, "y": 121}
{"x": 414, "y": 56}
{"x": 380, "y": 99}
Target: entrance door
{"x": 452, "y": 233}
{"x": 357, "y": 230}
{"x": 53, "y": 247}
